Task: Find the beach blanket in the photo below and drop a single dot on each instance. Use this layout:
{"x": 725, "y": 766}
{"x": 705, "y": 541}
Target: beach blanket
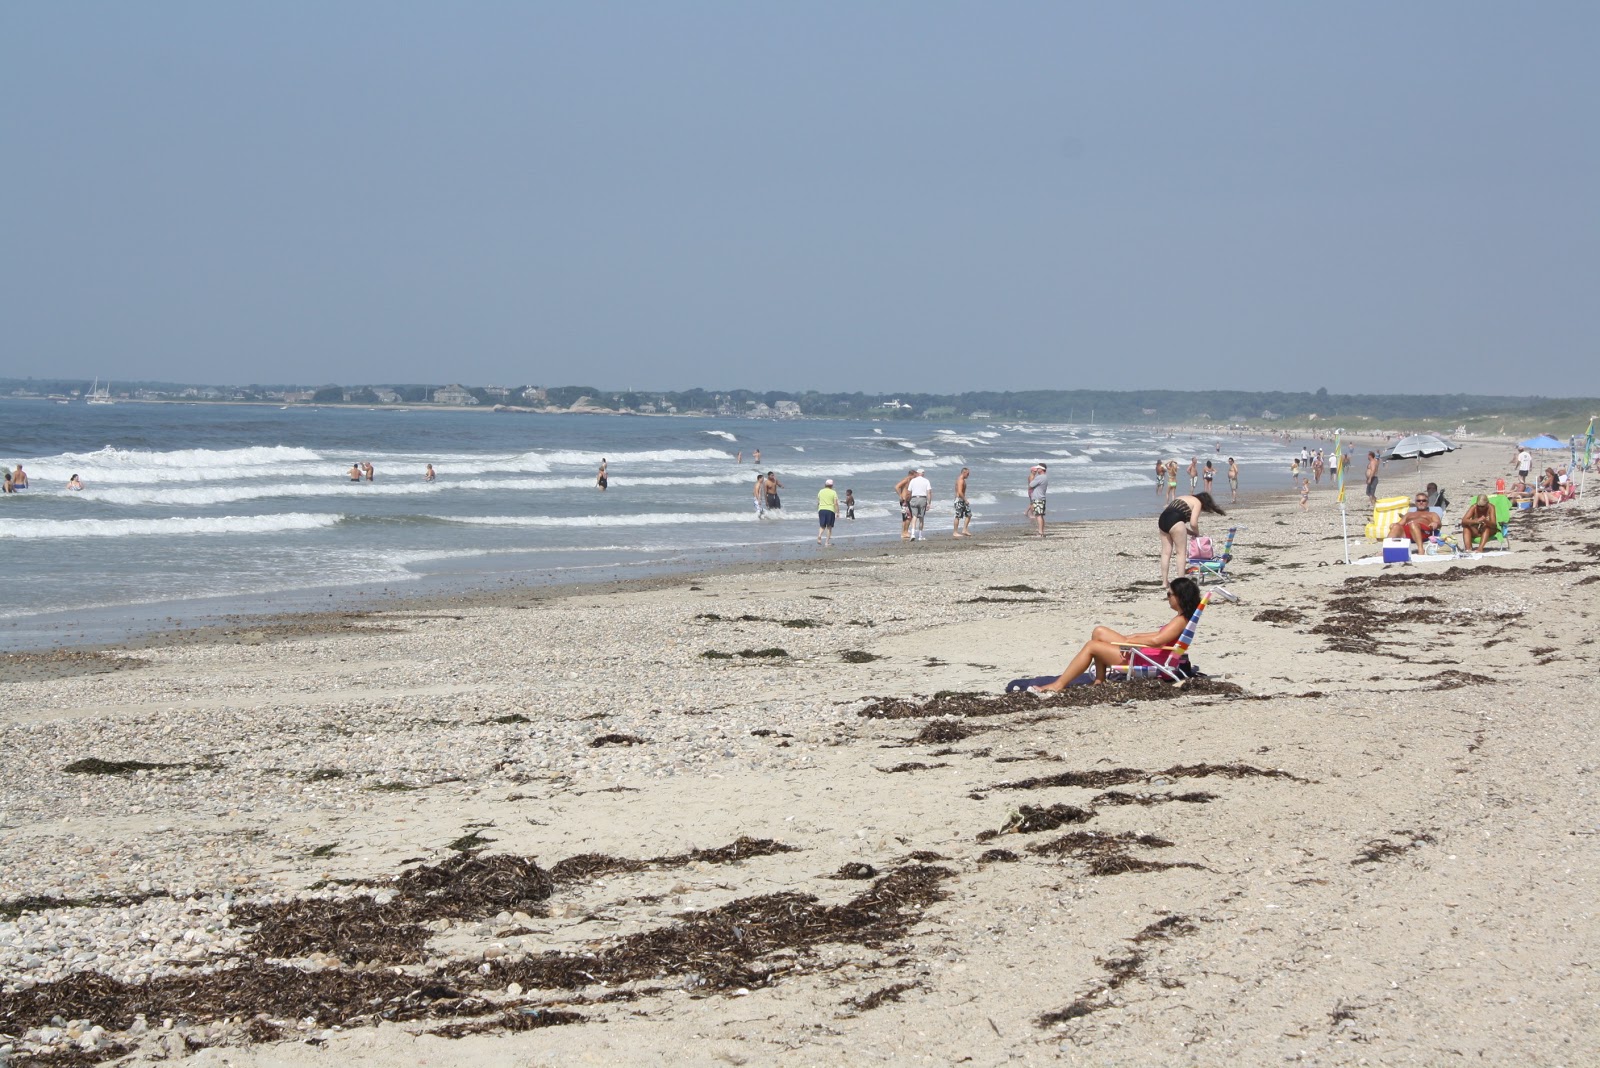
{"x": 1440, "y": 558}
{"x": 1184, "y": 668}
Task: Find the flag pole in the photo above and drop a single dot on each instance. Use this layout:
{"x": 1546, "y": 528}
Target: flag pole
{"x": 1338, "y": 474}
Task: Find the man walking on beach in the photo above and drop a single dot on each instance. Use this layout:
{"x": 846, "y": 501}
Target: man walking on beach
{"x": 827, "y": 512}
{"x": 1194, "y": 472}
{"x": 963, "y": 509}
{"x": 920, "y": 490}
{"x": 1233, "y": 479}
{"x": 904, "y": 497}
{"x": 1372, "y": 477}
{"x": 1038, "y": 486}
{"x": 1524, "y": 464}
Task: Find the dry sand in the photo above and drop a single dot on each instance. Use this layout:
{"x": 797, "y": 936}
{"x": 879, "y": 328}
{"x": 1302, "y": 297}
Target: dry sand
{"x": 1370, "y": 838}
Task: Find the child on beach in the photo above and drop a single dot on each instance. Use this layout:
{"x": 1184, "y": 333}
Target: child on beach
{"x": 849, "y": 504}
{"x": 1305, "y": 494}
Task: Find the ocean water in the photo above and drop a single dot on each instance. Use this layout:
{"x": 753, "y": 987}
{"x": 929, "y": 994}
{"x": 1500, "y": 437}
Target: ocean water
{"x": 192, "y": 511}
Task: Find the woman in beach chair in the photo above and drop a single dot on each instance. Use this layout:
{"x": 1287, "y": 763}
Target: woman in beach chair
{"x": 1107, "y": 649}
{"x": 1478, "y": 524}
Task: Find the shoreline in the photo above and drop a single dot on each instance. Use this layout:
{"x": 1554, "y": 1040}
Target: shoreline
{"x": 235, "y": 626}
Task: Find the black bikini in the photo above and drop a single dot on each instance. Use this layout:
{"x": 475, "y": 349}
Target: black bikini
{"x": 1174, "y": 513}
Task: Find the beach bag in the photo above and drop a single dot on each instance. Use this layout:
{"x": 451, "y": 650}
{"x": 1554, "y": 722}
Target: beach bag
{"x": 1200, "y": 548}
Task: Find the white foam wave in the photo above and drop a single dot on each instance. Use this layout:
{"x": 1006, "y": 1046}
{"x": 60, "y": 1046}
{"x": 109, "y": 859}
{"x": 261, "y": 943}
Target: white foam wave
{"x": 572, "y": 458}
{"x": 723, "y": 434}
{"x": 203, "y": 495}
{"x": 43, "y": 529}
{"x": 632, "y": 519}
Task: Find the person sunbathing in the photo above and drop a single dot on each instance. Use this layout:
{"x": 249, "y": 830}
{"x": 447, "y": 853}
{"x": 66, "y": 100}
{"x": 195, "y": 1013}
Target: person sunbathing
{"x": 1479, "y": 524}
{"x": 1417, "y": 524}
{"x": 1549, "y": 491}
{"x": 1104, "y": 649}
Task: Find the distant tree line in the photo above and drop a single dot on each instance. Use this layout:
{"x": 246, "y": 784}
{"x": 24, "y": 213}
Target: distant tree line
{"x": 1043, "y": 405}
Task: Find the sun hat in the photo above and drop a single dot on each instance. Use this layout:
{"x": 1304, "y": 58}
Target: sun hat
{"x": 829, "y": 482}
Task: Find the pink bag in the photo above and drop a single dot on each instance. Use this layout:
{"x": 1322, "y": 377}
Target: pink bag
{"x": 1200, "y": 548}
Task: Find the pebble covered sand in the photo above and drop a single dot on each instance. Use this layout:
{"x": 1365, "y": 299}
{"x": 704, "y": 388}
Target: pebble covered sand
{"x": 1451, "y": 737}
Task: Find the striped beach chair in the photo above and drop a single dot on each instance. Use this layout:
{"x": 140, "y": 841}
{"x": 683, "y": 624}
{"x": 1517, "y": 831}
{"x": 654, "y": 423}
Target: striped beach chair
{"x": 1212, "y": 567}
{"x": 1162, "y": 662}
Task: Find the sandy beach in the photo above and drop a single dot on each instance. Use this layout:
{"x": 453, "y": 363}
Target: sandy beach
{"x": 782, "y": 815}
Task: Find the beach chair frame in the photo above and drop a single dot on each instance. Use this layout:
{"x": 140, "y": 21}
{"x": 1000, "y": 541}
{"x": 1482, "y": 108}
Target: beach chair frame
{"x": 1215, "y": 567}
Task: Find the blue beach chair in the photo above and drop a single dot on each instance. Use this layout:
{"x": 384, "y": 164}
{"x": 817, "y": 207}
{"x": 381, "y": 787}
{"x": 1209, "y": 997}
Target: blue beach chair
{"x": 1214, "y": 567}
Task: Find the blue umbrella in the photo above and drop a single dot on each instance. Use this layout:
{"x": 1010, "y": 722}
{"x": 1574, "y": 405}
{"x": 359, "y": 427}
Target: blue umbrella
{"x": 1543, "y": 441}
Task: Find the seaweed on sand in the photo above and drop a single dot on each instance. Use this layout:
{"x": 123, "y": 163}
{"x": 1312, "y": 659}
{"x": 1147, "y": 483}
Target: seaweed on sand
{"x": 1108, "y": 854}
{"x": 1030, "y": 819}
{"x": 745, "y": 943}
{"x": 593, "y": 865}
{"x": 1099, "y": 780}
{"x": 966, "y": 705}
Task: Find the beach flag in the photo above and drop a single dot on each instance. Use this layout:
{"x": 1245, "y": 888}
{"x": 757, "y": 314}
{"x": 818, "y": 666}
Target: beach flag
{"x": 1588, "y": 444}
{"x": 1338, "y": 466}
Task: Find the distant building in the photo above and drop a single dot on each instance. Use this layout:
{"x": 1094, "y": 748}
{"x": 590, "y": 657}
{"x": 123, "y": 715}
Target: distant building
{"x": 787, "y": 410}
{"x": 453, "y": 394}
{"x": 386, "y": 396}
{"x": 535, "y": 395}
{"x": 981, "y": 413}
{"x": 498, "y": 393}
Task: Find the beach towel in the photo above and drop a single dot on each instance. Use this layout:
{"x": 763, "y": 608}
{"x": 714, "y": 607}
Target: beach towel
{"x": 1184, "y": 667}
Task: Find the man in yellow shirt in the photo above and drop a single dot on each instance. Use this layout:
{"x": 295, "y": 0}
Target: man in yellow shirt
{"x": 827, "y": 511}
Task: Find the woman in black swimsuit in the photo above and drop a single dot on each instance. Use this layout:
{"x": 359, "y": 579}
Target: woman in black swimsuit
{"x": 1178, "y": 521}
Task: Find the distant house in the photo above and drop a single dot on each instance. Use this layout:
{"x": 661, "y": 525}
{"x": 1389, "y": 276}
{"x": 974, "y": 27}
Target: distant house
{"x": 453, "y": 394}
{"x": 499, "y": 393}
{"x": 981, "y": 413}
{"x": 535, "y": 395}
{"x": 386, "y": 396}
{"x": 786, "y": 409}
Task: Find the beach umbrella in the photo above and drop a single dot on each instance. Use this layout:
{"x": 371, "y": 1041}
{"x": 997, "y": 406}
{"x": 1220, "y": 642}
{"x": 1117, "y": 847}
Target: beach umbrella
{"x": 1543, "y": 441}
{"x": 1420, "y": 445}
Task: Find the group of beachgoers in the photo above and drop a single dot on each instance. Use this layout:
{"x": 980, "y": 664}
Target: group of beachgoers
{"x": 18, "y": 480}
{"x": 1483, "y": 520}
{"x": 1167, "y": 476}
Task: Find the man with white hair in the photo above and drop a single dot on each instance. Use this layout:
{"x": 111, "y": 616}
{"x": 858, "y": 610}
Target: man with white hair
{"x": 920, "y": 490}
{"x": 827, "y": 512}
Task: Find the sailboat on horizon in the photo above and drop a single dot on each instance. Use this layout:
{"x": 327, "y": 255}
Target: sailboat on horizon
{"x": 100, "y": 394}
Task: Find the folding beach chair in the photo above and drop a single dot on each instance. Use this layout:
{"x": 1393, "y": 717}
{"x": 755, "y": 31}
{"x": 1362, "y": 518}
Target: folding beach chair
{"x": 1385, "y": 515}
{"x": 1212, "y": 567}
{"x": 1145, "y": 662}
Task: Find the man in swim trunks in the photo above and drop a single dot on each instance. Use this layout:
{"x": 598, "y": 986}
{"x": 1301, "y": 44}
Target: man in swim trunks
{"x": 920, "y": 492}
{"x": 1233, "y": 478}
{"x": 355, "y": 472}
{"x": 905, "y": 503}
{"x": 827, "y": 512}
{"x": 773, "y": 485}
{"x": 1417, "y": 524}
{"x": 761, "y": 496}
{"x": 1372, "y": 478}
{"x": 963, "y": 509}
{"x": 1038, "y": 486}
{"x": 1194, "y": 473}
{"x": 19, "y": 478}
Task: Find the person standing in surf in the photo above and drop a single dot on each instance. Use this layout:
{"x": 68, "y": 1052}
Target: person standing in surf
{"x": 963, "y": 509}
{"x": 827, "y": 512}
{"x": 760, "y": 493}
{"x": 774, "y": 504}
{"x": 1038, "y": 487}
{"x": 600, "y": 478}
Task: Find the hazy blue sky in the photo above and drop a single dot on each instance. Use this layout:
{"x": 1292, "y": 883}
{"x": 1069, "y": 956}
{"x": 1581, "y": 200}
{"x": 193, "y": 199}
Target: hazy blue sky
{"x": 820, "y": 195}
